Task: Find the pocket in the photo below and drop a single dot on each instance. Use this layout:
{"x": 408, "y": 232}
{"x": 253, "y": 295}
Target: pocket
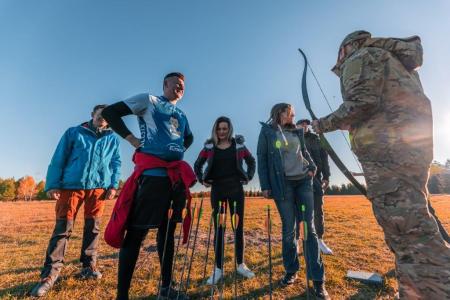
{"x": 382, "y": 187}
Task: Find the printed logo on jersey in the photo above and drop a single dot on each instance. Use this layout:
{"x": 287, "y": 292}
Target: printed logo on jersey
{"x": 174, "y": 124}
{"x": 175, "y": 147}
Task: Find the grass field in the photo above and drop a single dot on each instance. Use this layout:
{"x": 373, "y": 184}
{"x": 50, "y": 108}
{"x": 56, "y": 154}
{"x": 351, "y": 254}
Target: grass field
{"x": 351, "y": 231}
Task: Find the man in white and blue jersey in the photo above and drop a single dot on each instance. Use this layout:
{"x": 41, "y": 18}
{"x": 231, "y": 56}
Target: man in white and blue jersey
{"x": 165, "y": 134}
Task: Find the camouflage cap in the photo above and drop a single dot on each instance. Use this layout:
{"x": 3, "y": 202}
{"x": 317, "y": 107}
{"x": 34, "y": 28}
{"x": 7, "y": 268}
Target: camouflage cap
{"x": 354, "y": 36}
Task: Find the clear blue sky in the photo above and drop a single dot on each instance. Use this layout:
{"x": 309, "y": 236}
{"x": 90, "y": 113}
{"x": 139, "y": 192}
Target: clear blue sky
{"x": 60, "y": 58}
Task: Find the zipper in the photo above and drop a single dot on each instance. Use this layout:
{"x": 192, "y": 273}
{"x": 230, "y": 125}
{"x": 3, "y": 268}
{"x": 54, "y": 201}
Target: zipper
{"x": 92, "y": 158}
{"x": 237, "y": 163}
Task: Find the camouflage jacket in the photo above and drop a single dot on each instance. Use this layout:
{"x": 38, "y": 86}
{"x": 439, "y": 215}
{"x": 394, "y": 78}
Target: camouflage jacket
{"x": 387, "y": 113}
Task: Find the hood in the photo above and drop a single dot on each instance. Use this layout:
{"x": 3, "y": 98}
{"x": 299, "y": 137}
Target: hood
{"x": 88, "y": 126}
{"x": 238, "y": 139}
{"x": 408, "y": 51}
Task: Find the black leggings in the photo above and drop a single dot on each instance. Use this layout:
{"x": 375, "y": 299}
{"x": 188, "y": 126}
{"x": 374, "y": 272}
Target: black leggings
{"x": 129, "y": 253}
{"x": 230, "y": 191}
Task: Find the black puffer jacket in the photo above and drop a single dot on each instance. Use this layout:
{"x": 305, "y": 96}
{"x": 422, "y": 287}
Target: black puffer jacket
{"x": 242, "y": 153}
{"x": 318, "y": 155}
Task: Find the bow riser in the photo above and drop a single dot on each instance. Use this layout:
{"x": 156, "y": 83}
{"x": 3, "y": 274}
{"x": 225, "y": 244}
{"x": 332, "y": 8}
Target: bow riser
{"x": 323, "y": 141}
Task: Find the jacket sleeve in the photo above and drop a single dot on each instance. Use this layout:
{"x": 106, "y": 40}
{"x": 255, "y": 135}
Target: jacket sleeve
{"x": 188, "y": 140}
{"x": 115, "y": 165}
{"x": 362, "y": 82}
{"x": 263, "y": 163}
{"x": 58, "y": 163}
{"x": 251, "y": 164}
{"x": 198, "y": 165}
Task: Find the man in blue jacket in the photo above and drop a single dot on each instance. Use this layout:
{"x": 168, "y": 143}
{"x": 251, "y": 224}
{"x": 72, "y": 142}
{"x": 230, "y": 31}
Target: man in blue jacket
{"x": 85, "y": 168}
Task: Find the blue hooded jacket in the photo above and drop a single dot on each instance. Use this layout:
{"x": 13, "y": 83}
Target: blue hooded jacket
{"x": 84, "y": 160}
{"x": 270, "y": 164}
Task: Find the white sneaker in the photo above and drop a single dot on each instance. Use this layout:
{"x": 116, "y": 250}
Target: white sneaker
{"x": 245, "y": 271}
{"x": 324, "y": 248}
{"x": 218, "y": 275}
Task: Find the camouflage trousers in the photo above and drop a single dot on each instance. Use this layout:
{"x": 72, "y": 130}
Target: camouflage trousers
{"x": 400, "y": 204}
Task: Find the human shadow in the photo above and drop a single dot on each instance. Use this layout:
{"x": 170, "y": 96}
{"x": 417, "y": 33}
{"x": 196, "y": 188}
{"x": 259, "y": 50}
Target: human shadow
{"x": 20, "y": 291}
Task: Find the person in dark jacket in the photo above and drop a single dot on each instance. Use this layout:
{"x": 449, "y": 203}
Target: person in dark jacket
{"x": 321, "y": 179}
{"x": 286, "y": 171}
{"x": 224, "y": 173}
{"x": 85, "y": 168}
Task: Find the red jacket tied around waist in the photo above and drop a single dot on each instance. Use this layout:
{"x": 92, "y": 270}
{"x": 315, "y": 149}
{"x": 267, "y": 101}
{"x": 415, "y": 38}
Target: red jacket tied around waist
{"x": 176, "y": 170}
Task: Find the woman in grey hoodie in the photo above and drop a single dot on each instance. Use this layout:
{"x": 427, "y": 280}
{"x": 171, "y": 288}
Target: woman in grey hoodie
{"x": 285, "y": 171}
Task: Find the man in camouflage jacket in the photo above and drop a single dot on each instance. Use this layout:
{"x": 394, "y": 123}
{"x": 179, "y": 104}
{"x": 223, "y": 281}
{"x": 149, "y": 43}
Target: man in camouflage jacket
{"x": 390, "y": 123}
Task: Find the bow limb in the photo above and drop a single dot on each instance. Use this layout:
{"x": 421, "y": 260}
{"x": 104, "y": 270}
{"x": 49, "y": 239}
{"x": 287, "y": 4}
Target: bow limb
{"x": 324, "y": 142}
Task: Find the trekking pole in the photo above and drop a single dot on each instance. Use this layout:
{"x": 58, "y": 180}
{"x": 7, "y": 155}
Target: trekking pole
{"x": 218, "y": 225}
{"x": 224, "y": 217}
{"x": 187, "y": 250}
{"x": 234, "y": 225}
{"x": 211, "y": 220}
{"x": 183, "y": 215}
{"x": 269, "y": 242}
{"x": 169, "y": 218}
{"x": 304, "y": 232}
{"x": 199, "y": 212}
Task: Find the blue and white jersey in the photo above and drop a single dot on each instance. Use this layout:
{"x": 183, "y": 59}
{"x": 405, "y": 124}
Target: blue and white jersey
{"x": 163, "y": 127}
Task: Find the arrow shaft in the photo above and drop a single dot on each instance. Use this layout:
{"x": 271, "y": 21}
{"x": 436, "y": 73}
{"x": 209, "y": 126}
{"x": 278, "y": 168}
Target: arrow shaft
{"x": 269, "y": 233}
{"x": 193, "y": 246}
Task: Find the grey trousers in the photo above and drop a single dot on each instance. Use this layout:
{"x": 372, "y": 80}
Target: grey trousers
{"x": 57, "y": 246}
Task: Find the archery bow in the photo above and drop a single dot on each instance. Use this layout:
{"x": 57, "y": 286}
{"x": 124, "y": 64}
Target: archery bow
{"x": 325, "y": 144}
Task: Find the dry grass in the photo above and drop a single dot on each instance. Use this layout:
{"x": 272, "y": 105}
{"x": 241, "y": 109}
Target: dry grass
{"x": 351, "y": 231}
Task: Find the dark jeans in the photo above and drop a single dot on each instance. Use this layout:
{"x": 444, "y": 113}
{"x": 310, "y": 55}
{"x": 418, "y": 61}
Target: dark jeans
{"x": 298, "y": 193}
{"x": 319, "y": 219}
{"x": 229, "y": 191}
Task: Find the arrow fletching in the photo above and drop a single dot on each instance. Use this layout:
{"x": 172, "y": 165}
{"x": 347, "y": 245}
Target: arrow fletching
{"x": 235, "y": 221}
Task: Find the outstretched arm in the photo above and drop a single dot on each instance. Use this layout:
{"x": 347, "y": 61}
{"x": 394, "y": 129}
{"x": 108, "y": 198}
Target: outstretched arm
{"x": 362, "y": 84}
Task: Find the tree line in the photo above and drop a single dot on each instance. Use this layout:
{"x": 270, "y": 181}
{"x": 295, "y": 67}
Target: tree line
{"x": 26, "y": 188}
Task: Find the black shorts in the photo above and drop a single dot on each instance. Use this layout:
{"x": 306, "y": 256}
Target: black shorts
{"x": 152, "y": 201}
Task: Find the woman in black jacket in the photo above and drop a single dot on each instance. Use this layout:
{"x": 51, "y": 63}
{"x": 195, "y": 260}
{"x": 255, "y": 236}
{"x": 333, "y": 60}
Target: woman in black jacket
{"x": 224, "y": 173}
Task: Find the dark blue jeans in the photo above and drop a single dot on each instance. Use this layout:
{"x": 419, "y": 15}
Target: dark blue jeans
{"x": 298, "y": 193}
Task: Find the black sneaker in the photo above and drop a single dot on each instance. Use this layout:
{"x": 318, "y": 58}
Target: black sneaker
{"x": 172, "y": 293}
{"x": 289, "y": 279}
{"x": 319, "y": 290}
{"x": 43, "y": 287}
{"x": 90, "y": 273}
